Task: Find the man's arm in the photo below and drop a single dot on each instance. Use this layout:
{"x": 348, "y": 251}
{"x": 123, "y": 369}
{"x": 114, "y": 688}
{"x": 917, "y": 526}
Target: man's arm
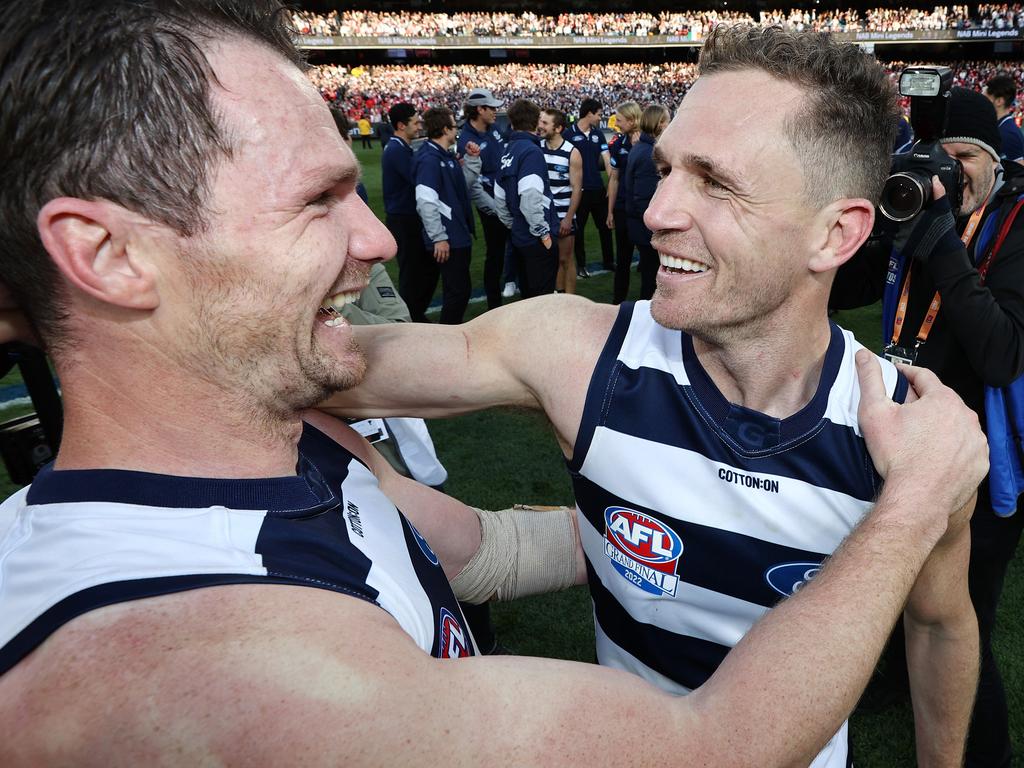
{"x": 613, "y": 191}
{"x": 516, "y": 355}
{"x": 428, "y": 202}
{"x": 576, "y": 182}
{"x": 346, "y": 664}
{"x": 942, "y": 649}
{"x": 607, "y": 158}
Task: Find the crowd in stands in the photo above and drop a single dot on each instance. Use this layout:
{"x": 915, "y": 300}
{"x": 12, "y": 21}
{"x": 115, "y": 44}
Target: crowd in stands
{"x": 371, "y": 90}
{"x": 408, "y": 24}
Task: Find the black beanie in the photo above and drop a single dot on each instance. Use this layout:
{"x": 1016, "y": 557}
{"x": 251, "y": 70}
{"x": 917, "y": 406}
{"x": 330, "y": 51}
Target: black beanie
{"x": 972, "y": 120}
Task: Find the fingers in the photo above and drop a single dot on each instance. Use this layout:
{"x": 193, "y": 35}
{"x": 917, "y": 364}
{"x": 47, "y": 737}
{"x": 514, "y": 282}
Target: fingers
{"x": 921, "y": 379}
{"x": 938, "y": 191}
{"x": 869, "y": 372}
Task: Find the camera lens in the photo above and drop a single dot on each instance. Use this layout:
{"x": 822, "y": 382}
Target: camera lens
{"x": 903, "y": 196}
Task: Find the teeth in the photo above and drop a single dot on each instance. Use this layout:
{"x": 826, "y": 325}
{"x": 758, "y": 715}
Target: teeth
{"x": 339, "y": 300}
{"x": 671, "y": 262}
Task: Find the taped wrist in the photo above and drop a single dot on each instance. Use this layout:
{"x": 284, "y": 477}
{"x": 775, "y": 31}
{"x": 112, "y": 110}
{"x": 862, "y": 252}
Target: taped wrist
{"x": 523, "y": 551}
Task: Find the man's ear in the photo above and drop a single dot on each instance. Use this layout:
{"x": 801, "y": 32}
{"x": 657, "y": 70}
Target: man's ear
{"x": 89, "y": 241}
{"x": 842, "y": 228}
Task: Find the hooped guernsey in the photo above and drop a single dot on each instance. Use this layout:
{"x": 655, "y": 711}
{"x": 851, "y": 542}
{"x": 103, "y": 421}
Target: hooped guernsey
{"x": 697, "y": 515}
{"x": 78, "y": 540}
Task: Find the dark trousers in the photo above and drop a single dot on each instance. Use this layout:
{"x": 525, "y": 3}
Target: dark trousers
{"x": 538, "y": 268}
{"x": 417, "y": 270}
{"x": 649, "y": 264}
{"x": 594, "y": 202}
{"x": 455, "y": 285}
{"x": 495, "y": 237}
{"x": 993, "y": 541}
{"x": 623, "y": 257}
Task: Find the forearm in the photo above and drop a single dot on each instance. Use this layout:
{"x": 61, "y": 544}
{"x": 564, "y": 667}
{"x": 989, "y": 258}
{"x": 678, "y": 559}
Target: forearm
{"x": 942, "y": 661}
{"x": 613, "y": 185}
{"x": 881, "y": 558}
{"x": 574, "y": 203}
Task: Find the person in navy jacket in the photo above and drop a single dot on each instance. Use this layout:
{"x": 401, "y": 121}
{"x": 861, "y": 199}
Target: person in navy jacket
{"x": 481, "y": 111}
{"x": 417, "y": 271}
{"x": 442, "y": 202}
{"x": 641, "y": 182}
{"x": 522, "y": 196}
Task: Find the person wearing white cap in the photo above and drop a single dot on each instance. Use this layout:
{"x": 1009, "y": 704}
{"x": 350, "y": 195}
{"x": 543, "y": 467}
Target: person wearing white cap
{"x": 481, "y": 111}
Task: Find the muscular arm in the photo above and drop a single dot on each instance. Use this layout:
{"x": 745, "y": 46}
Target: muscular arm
{"x": 942, "y": 649}
{"x": 517, "y": 355}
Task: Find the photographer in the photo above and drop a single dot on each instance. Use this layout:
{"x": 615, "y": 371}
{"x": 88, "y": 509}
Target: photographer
{"x": 974, "y": 340}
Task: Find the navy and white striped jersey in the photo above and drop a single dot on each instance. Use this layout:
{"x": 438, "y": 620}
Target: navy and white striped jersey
{"x": 78, "y": 540}
{"x": 558, "y": 174}
{"x": 697, "y": 515}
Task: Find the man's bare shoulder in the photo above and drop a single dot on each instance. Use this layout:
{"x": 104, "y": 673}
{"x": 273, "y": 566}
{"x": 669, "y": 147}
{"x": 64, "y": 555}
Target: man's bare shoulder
{"x": 235, "y": 674}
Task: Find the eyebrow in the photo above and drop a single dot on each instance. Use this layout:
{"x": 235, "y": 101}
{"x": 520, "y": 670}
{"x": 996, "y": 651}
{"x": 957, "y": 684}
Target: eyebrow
{"x": 704, "y": 164}
{"x": 319, "y": 179}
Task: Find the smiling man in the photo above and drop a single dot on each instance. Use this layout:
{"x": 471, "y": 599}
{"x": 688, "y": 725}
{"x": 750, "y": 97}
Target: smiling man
{"x": 201, "y": 578}
{"x": 711, "y": 433}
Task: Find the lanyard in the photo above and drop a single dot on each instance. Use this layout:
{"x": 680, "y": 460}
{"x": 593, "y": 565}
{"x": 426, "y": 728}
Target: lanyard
{"x": 933, "y": 308}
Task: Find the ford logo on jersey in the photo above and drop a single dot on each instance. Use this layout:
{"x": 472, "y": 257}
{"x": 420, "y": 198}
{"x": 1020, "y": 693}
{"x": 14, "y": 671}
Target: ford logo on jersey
{"x": 788, "y": 578}
{"x": 424, "y": 547}
{"x": 643, "y": 550}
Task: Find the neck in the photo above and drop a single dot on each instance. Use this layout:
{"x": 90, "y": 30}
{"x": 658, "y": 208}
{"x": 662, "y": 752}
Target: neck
{"x": 554, "y": 141}
{"x": 634, "y": 136}
{"x": 442, "y": 142}
{"x": 118, "y": 421}
{"x": 1001, "y": 113}
{"x": 479, "y": 125}
{"x": 773, "y": 371}
{"x": 585, "y": 123}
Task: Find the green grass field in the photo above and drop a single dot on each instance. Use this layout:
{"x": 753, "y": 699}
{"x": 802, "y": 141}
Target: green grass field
{"x": 501, "y": 457}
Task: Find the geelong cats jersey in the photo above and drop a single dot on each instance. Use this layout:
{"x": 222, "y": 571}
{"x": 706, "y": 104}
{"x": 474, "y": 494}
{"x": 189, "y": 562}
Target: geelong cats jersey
{"x": 77, "y": 540}
{"x": 698, "y": 515}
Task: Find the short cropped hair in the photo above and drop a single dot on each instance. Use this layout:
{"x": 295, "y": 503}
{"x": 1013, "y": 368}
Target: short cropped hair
{"x": 436, "y": 120}
{"x": 402, "y": 112}
{"x": 557, "y": 116}
{"x": 654, "y": 115}
{"x": 523, "y": 115}
{"x": 1002, "y": 87}
{"x": 845, "y": 130}
{"x": 589, "y": 106}
{"x": 111, "y": 100}
{"x": 630, "y": 110}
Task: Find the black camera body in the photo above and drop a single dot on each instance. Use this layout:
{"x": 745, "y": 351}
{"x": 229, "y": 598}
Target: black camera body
{"x": 908, "y": 190}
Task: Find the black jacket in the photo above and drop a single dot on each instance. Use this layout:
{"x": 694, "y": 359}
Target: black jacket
{"x": 978, "y": 337}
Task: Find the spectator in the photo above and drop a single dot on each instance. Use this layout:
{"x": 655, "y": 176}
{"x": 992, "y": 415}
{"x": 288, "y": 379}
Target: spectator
{"x": 417, "y": 270}
{"x": 627, "y": 116}
{"x": 365, "y": 132}
{"x": 1001, "y": 90}
{"x": 480, "y": 111}
{"x": 641, "y": 181}
{"x": 442, "y": 202}
{"x": 523, "y": 198}
{"x": 565, "y": 177}
{"x": 589, "y": 139}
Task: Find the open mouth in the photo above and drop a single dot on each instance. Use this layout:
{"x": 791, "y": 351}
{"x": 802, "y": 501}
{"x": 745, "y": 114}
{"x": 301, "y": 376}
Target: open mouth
{"x": 330, "y": 308}
{"x": 677, "y": 266}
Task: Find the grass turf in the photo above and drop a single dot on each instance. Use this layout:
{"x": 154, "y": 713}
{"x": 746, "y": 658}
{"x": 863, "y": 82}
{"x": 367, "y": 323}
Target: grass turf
{"x": 500, "y": 457}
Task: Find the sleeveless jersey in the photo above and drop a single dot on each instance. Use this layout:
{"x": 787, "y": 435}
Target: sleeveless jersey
{"x": 558, "y": 175}
{"x": 77, "y": 540}
{"x": 696, "y": 515}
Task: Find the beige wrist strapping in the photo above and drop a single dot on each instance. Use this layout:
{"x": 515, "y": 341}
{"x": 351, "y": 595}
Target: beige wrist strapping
{"x": 523, "y": 551}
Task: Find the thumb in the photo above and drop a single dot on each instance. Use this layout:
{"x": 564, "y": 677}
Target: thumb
{"x": 869, "y": 373}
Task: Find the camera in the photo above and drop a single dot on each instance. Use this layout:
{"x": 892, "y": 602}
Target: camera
{"x": 29, "y": 442}
{"x": 908, "y": 190}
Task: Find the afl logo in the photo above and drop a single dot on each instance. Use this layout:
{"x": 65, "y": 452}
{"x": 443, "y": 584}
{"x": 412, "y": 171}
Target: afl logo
{"x": 787, "y": 579}
{"x": 643, "y": 550}
{"x": 453, "y": 640}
